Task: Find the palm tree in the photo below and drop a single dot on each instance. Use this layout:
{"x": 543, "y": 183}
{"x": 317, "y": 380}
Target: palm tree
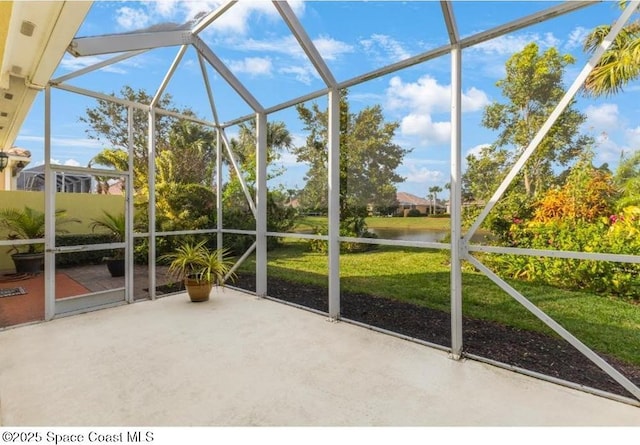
{"x": 434, "y": 194}
{"x": 619, "y": 65}
{"x": 110, "y": 157}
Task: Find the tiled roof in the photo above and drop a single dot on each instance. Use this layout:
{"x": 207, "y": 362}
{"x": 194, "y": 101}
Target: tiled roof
{"x": 408, "y": 198}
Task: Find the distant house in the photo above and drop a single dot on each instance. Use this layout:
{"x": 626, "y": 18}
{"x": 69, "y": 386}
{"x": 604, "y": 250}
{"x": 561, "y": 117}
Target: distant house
{"x": 407, "y": 202}
{"x": 32, "y": 179}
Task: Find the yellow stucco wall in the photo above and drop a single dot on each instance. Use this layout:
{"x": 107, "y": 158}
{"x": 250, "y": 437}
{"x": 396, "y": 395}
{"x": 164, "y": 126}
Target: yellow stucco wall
{"x": 5, "y": 17}
{"x": 83, "y": 206}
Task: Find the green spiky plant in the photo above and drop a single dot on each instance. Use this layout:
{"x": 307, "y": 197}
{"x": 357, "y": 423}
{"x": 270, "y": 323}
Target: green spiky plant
{"x": 196, "y": 261}
{"x": 29, "y": 223}
{"x": 115, "y": 225}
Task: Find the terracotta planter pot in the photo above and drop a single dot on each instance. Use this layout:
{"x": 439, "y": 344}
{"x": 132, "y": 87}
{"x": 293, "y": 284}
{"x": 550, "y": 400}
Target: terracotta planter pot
{"x": 198, "y": 290}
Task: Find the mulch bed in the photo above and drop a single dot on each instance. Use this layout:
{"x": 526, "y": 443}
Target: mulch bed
{"x": 524, "y": 349}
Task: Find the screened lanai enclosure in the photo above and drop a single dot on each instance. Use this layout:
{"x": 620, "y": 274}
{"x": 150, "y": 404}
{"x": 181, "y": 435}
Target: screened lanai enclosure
{"x": 286, "y": 142}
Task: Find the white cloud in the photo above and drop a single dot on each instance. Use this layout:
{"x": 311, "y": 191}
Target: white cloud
{"x": 255, "y": 66}
{"x": 288, "y": 160}
{"x": 69, "y": 162}
{"x": 330, "y": 48}
{"x": 420, "y": 99}
{"x": 303, "y": 74}
{"x": 476, "y": 150}
{"x": 510, "y": 43}
{"x": 283, "y": 45}
{"x": 607, "y": 150}
{"x": 421, "y": 125}
{"x": 384, "y": 47}
{"x": 422, "y": 175}
{"x": 65, "y": 142}
{"x": 427, "y": 96}
{"x": 234, "y": 21}
{"x": 130, "y": 18}
{"x": 605, "y": 116}
{"x": 576, "y": 37}
{"x": 71, "y": 63}
{"x": 632, "y": 136}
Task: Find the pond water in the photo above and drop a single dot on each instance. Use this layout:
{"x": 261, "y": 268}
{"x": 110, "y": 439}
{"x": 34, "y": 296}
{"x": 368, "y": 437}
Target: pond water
{"x": 404, "y": 234}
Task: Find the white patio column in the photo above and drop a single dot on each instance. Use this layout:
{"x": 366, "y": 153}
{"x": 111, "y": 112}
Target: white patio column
{"x": 219, "y": 226}
{"x": 129, "y": 212}
{"x": 456, "y": 203}
{"x": 261, "y": 204}
{"x": 50, "y": 215}
{"x": 151, "y": 180}
{"x": 334, "y": 203}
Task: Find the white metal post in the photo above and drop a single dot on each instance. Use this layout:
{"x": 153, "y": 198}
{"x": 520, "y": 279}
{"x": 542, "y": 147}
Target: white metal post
{"x": 219, "y": 188}
{"x": 261, "y": 204}
{"x": 152, "y": 202}
{"x": 50, "y": 215}
{"x": 130, "y": 268}
{"x": 456, "y": 202}
{"x": 334, "y": 203}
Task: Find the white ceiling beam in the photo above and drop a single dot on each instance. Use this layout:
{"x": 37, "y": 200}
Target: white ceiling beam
{"x": 305, "y": 42}
{"x": 97, "y": 66}
{"x": 449, "y": 19}
{"x": 117, "y": 43}
{"x": 168, "y": 76}
{"x": 231, "y": 79}
{"x": 538, "y": 17}
{"x": 202, "y": 24}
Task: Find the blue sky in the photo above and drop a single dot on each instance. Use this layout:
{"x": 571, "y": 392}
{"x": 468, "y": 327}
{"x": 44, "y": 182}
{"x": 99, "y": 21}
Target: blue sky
{"x": 354, "y": 38}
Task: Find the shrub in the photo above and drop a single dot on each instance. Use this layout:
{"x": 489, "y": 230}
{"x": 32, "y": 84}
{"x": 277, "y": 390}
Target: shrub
{"x": 413, "y": 213}
{"x": 82, "y": 258}
{"x": 616, "y": 234}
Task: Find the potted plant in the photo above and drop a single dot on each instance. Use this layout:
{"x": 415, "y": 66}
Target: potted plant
{"x": 116, "y": 226}
{"x": 199, "y": 268}
{"x": 29, "y": 224}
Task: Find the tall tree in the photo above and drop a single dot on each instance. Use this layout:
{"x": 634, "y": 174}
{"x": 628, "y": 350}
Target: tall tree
{"x": 108, "y": 123}
{"x": 192, "y": 147}
{"x": 244, "y": 148}
{"x": 533, "y": 87}
{"x": 619, "y": 65}
{"x": 368, "y": 158}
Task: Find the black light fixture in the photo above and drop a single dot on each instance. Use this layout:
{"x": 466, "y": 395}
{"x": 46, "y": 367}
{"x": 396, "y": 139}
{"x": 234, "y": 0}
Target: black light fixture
{"x": 4, "y": 160}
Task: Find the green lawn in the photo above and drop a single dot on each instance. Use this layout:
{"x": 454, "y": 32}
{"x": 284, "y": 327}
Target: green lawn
{"x": 421, "y": 277}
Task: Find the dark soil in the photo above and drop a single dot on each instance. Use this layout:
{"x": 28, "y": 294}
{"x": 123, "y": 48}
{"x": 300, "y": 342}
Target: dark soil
{"x": 524, "y": 349}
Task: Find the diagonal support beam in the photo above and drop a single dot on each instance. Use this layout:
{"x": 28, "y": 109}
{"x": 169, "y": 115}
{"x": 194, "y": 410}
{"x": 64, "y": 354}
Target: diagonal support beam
{"x": 226, "y": 74}
{"x": 562, "y": 332}
{"x": 555, "y": 114}
{"x": 305, "y": 42}
{"x": 97, "y": 66}
{"x": 449, "y": 19}
{"x": 167, "y": 77}
{"x": 236, "y": 168}
{"x": 533, "y": 19}
{"x": 202, "y": 24}
{"x": 207, "y": 85}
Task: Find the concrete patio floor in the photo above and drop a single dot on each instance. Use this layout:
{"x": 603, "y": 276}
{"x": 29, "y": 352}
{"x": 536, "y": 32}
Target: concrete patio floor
{"x": 240, "y": 360}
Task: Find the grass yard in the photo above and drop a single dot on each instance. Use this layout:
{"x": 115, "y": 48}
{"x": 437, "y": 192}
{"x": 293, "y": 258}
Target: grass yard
{"x": 422, "y": 277}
